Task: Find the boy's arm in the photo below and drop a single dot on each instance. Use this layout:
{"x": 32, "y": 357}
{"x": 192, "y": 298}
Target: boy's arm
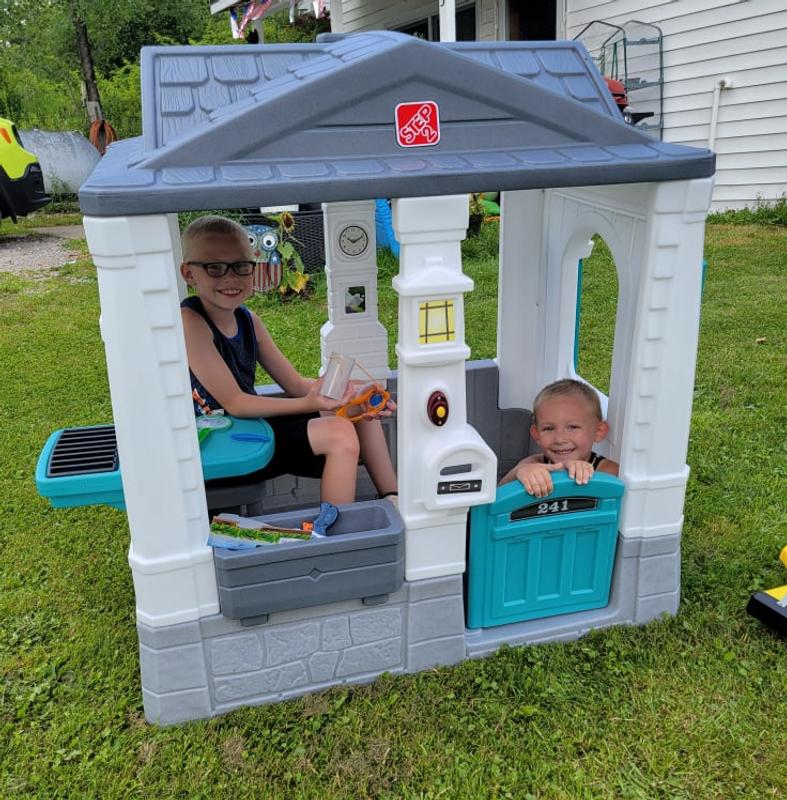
{"x": 609, "y": 466}
{"x": 213, "y": 373}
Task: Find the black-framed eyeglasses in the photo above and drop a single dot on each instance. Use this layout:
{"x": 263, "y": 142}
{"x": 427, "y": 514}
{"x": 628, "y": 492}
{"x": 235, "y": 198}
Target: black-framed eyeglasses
{"x": 218, "y": 269}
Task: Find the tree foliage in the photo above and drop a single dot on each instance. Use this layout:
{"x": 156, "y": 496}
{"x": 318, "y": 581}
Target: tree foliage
{"x": 40, "y": 84}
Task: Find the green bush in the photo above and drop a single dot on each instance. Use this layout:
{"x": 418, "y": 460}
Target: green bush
{"x": 10, "y": 101}
{"x": 278, "y": 28}
{"x": 763, "y": 213}
{"x": 122, "y": 101}
{"x": 36, "y": 101}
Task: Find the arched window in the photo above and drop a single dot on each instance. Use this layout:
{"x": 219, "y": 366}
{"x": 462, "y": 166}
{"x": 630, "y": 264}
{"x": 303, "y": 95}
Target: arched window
{"x": 597, "y": 301}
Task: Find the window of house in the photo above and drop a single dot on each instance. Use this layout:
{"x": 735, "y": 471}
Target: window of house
{"x": 429, "y": 28}
{"x": 532, "y": 21}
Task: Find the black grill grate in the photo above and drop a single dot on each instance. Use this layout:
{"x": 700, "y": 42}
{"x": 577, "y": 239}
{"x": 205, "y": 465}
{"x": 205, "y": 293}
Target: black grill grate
{"x": 80, "y": 451}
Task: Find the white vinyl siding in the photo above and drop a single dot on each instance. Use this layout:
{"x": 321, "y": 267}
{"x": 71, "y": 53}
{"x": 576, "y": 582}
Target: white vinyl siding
{"x": 360, "y": 15}
{"x": 489, "y": 20}
{"x": 368, "y": 15}
{"x": 704, "y": 41}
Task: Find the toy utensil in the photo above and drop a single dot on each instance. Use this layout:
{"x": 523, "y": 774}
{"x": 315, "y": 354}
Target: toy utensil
{"x": 250, "y": 437}
{"x": 372, "y": 401}
{"x": 203, "y": 434}
{"x": 327, "y": 516}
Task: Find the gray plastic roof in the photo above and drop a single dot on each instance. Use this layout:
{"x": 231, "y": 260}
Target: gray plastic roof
{"x": 252, "y": 125}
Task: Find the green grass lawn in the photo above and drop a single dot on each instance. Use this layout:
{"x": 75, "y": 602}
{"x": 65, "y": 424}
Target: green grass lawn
{"x": 686, "y": 707}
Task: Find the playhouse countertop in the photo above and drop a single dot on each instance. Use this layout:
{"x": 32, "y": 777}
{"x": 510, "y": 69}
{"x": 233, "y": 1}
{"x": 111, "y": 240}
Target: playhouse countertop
{"x": 222, "y": 457}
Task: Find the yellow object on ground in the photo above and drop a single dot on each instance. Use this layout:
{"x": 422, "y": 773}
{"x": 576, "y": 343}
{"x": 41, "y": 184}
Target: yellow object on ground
{"x": 778, "y": 593}
{"x": 21, "y": 179}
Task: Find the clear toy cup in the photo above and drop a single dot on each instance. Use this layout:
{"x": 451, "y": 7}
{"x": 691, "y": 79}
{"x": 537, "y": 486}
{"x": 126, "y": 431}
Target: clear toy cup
{"x": 337, "y": 376}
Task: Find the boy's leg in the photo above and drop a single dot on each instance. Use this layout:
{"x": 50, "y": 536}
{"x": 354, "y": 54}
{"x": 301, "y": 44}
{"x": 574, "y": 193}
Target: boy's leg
{"x": 335, "y": 438}
{"x": 376, "y": 457}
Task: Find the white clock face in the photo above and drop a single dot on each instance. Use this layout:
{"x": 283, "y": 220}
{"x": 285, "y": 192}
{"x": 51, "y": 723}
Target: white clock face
{"x": 353, "y": 240}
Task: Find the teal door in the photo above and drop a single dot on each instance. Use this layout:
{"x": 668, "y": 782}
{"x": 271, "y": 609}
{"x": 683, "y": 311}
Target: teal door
{"x": 532, "y": 558}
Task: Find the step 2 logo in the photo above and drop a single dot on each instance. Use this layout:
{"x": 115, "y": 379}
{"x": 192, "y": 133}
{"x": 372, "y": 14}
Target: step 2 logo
{"x": 417, "y": 124}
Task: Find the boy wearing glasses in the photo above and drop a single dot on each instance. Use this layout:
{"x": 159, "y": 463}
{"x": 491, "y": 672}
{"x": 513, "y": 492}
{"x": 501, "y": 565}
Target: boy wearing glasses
{"x": 224, "y": 343}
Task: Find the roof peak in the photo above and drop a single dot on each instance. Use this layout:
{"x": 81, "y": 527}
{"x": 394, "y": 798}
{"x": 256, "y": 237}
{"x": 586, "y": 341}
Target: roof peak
{"x": 267, "y": 124}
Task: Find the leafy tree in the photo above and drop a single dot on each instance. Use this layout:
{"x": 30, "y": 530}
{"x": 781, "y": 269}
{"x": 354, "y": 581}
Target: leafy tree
{"x": 40, "y": 81}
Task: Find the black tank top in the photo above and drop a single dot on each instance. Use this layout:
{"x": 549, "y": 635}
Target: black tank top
{"x": 238, "y": 352}
{"x": 594, "y": 460}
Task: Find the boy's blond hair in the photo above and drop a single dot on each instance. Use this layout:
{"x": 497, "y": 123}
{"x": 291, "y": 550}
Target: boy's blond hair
{"x": 213, "y": 225}
{"x": 569, "y": 386}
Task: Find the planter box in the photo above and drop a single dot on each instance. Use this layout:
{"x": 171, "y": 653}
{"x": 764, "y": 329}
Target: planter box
{"x": 362, "y": 557}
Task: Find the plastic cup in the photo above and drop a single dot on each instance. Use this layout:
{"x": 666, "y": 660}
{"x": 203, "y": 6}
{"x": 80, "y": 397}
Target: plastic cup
{"x": 337, "y": 376}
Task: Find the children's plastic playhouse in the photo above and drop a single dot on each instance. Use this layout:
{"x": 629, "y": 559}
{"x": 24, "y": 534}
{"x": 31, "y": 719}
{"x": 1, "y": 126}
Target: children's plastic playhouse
{"x": 345, "y": 121}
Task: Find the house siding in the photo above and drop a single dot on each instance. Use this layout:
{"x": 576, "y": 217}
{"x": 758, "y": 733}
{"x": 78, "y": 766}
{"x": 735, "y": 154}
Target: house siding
{"x": 363, "y": 15}
{"x": 366, "y": 15}
{"x": 704, "y": 41}
{"x": 489, "y": 25}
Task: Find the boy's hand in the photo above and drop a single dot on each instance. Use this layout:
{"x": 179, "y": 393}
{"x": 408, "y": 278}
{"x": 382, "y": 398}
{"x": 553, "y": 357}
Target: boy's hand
{"x": 537, "y": 478}
{"x": 579, "y": 471}
{"x": 359, "y": 388}
{"x": 390, "y": 406}
{"x": 319, "y": 402}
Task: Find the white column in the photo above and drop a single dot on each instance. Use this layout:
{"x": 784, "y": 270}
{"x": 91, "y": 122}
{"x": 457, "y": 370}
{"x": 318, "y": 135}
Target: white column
{"x": 520, "y": 298}
{"x": 353, "y": 327}
{"x": 136, "y": 258}
{"x": 663, "y": 355}
{"x": 447, "y": 20}
{"x": 337, "y": 16}
{"x": 443, "y": 468}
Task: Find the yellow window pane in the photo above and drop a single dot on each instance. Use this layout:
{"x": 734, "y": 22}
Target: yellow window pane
{"x": 436, "y": 322}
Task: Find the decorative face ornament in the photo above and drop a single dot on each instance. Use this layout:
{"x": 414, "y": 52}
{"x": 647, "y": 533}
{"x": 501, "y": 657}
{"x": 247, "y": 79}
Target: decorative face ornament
{"x": 264, "y": 240}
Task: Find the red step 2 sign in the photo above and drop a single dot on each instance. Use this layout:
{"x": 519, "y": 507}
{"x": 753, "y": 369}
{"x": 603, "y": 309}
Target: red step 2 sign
{"x": 417, "y": 124}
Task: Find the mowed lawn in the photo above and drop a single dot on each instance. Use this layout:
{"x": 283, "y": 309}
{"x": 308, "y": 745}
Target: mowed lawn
{"x": 688, "y": 707}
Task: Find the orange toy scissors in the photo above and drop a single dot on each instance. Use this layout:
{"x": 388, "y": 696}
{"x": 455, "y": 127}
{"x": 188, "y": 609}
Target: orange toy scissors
{"x": 372, "y": 400}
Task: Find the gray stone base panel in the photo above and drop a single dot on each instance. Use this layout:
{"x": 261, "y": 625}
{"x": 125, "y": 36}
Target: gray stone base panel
{"x": 201, "y": 669}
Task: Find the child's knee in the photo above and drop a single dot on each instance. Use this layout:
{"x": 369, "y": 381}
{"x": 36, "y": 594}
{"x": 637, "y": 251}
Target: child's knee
{"x": 338, "y": 437}
{"x": 345, "y": 438}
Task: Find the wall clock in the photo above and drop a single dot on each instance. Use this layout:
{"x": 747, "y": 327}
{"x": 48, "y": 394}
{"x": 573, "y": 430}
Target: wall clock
{"x": 353, "y": 240}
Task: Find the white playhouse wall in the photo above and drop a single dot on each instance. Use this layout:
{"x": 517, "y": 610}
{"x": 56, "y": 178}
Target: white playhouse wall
{"x": 655, "y": 234}
{"x": 136, "y": 259}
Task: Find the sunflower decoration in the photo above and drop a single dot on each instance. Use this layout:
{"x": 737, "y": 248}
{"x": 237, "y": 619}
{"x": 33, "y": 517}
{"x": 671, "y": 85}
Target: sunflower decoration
{"x": 294, "y": 280}
{"x": 287, "y": 222}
